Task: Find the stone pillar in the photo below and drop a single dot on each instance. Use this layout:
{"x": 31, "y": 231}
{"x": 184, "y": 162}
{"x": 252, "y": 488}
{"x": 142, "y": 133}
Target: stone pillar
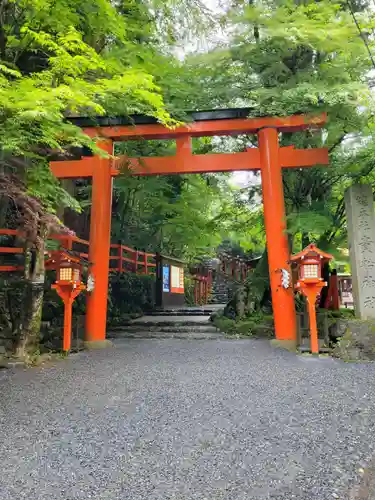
{"x": 361, "y": 234}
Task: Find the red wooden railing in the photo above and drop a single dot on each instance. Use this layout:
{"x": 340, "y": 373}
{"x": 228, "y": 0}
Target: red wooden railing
{"x": 126, "y": 259}
{"x": 132, "y": 260}
{"x": 10, "y": 250}
{"x": 234, "y": 268}
{"x": 202, "y": 288}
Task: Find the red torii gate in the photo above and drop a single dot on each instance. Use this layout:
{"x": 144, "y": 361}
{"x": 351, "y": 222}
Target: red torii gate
{"x": 269, "y": 158}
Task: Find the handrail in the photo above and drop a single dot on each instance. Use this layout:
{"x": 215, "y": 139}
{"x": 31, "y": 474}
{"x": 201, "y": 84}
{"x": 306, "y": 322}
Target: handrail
{"x": 129, "y": 259}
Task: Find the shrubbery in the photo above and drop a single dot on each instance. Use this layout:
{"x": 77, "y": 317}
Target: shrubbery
{"x": 128, "y": 295}
{"x": 257, "y": 325}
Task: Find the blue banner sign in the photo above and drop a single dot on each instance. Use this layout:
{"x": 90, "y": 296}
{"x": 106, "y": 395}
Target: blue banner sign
{"x": 166, "y": 280}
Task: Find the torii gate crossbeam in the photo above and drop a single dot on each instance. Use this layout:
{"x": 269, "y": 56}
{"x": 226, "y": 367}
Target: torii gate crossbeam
{"x": 269, "y": 158}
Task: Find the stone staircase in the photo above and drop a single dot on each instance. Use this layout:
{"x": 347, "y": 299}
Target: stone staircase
{"x": 223, "y": 288}
{"x": 185, "y": 323}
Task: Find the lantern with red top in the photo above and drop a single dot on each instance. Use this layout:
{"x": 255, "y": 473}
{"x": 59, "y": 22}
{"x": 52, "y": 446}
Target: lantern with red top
{"x": 68, "y": 285}
{"x": 310, "y": 262}
{"x": 310, "y": 283}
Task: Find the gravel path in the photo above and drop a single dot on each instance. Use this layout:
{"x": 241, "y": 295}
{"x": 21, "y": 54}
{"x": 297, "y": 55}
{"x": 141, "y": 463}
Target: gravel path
{"x": 176, "y": 419}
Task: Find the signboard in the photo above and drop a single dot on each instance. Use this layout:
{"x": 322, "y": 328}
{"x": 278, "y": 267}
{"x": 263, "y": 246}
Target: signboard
{"x": 177, "y": 279}
{"x": 166, "y": 271}
{"x": 169, "y": 290}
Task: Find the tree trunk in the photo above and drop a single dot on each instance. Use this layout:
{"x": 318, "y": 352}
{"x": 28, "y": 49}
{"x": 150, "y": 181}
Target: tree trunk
{"x": 27, "y": 334}
{"x": 4, "y": 201}
{"x": 305, "y": 240}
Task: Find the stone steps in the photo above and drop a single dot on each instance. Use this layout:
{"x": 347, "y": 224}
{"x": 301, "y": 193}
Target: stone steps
{"x": 199, "y": 311}
{"x": 165, "y": 335}
{"x": 304, "y": 346}
{"x": 167, "y": 328}
{"x": 182, "y": 323}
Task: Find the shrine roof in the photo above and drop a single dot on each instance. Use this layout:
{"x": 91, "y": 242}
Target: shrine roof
{"x": 311, "y": 250}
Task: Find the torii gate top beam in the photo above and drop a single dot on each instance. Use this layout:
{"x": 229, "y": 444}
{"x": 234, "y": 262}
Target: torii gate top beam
{"x": 209, "y": 123}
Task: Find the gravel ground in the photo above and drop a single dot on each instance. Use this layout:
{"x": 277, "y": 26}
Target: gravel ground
{"x": 176, "y": 419}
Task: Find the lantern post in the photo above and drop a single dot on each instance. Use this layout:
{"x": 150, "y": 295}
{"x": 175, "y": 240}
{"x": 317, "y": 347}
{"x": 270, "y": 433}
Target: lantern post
{"x": 68, "y": 286}
{"x": 310, "y": 283}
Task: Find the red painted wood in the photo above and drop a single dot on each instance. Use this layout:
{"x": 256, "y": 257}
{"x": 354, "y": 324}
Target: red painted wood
{"x": 100, "y": 245}
{"x": 11, "y": 250}
{"x": 11, "y": 232}
{"x": 209, "y": 128}
{"x": 277, "y": 241}
{"x": 11, "y": 268}
{"x": 67, "y": 242}
{"x": 185, "y": 163}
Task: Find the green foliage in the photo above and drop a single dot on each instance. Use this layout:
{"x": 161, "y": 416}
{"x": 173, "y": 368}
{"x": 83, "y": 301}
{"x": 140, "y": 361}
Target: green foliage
{"x": 129, "y": 293}
{"x": 43, "y": 185}
{"x": 280, "y": 59}
{"x": 62, "y": 58}
{"x": 183, "y": 216}
{"x": 255, "y": 325}
{"x": 300, "y": 66}
{"x": 189, "y": 286}
{"x": 224, "y": 324}
{"x": 294, "y": 65}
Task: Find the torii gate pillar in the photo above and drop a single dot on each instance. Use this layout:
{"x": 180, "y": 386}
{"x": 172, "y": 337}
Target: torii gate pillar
{"x": 99, "y": 249}
{"x": 277, "y": 241}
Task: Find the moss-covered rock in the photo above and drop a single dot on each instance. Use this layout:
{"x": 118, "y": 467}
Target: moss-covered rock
{"x": 225, "y": 325}
{"x": 357, "y": 342}
{"x": 257, "y": 325}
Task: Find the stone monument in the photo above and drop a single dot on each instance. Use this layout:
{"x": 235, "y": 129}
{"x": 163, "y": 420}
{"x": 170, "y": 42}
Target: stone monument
{"x": 359, "y": 204}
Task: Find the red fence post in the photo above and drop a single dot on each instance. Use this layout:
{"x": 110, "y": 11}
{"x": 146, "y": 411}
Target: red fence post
{"x": 333, "y": 298}
{"x": 120, "y": 258}
{"x": 66, "y": 242}
{"x": 145, "y": 262}
{"x": 136, "y": 262}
